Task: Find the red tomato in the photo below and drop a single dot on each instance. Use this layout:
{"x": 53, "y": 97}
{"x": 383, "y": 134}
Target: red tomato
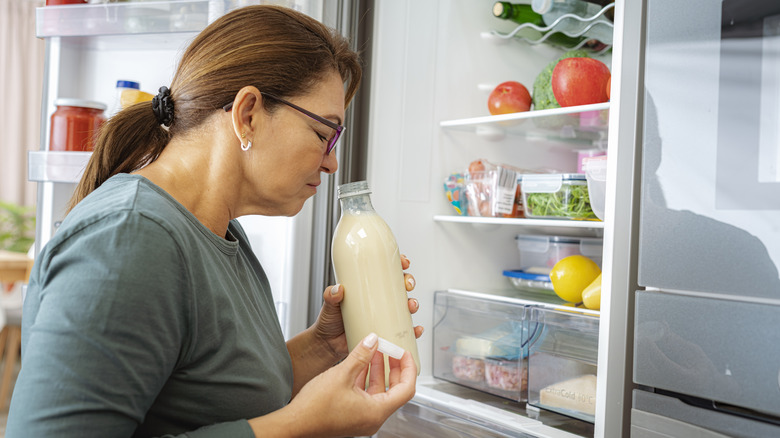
{"x": 609, "y": 88}
{"x": 580, "y": 81}
{"x": 509, "y": 97}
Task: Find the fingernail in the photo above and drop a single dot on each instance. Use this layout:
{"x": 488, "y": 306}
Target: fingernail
{"x": 416, "y": 303}
{"x": 334, "y": 289}
{"x": 411, "y": 282}
{"x": 370, "y": 340}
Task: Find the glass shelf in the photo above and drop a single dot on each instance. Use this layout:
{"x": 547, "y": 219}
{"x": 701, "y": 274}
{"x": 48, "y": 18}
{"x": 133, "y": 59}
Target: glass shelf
{"x": 574, "y": 228}
{"x": 576, "y": 125}
{"x": 55, "y": 166}
{"x": 126, "y": 18}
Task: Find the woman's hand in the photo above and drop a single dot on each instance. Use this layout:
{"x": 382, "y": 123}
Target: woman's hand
{"x": 339, "y": 403}
{"x": 330, "y": 327}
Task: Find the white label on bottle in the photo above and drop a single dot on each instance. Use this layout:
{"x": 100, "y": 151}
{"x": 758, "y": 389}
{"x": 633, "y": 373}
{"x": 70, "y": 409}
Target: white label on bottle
{"x": 506, "y": 188}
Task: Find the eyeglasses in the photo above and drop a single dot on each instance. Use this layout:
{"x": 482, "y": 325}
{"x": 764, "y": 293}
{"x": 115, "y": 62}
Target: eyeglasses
{"x": 338, "y": 128}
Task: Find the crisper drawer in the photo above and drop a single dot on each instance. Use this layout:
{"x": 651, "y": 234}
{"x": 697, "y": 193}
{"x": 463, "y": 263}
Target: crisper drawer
{"x": 482, "y": 343}
{"x": 562, "y": 364}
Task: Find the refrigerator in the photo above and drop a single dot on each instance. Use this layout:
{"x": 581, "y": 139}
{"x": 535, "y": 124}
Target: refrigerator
{"x": 707, "y": 320}
{"x": 420, "y": 116}
{"x": 433, "y": 66}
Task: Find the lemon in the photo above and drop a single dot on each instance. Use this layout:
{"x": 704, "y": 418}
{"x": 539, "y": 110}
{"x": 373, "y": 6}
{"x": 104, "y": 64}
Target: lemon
{"x": 591, "y": 295}
{"x": 571, "y": 275}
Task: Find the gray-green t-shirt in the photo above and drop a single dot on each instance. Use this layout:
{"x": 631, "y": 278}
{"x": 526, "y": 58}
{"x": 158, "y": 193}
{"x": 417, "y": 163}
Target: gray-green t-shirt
{"x": 139, "y": 321}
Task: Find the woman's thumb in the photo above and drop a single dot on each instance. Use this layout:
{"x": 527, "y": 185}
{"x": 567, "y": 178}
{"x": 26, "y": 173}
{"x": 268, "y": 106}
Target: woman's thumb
{"x": 361, "y": 355}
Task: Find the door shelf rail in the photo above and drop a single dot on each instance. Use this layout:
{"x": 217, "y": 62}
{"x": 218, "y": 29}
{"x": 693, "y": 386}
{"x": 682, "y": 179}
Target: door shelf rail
{"x": 56, "y": 166}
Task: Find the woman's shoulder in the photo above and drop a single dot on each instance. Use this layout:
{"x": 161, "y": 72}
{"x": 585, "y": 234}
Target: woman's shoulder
{"x": 125, "y": 204}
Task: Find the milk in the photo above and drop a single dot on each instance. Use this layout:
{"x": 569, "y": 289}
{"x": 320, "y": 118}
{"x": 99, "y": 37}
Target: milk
{"x": 367, "y": 263}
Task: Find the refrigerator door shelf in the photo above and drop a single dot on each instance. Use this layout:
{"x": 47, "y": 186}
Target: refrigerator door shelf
{"x": 711, "y": 349}
{"x": 56, "y": 166}
{"x": 121, "y": 18}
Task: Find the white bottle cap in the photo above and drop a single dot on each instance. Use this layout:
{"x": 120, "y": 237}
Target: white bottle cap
{"x": 390, "y": 349}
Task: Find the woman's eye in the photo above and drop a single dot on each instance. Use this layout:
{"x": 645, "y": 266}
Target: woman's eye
{"x": 322, "y": 137}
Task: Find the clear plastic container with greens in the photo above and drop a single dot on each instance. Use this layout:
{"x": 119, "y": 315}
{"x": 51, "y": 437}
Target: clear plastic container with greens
{"x": 557, "y": 196}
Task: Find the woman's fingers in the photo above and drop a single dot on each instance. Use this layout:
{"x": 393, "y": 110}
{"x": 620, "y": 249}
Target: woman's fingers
{"x": 418, "y": 331}
{"x": 409, "y": 282}
{"x": 414, "y": 305}
{"x": 405, "y": 263}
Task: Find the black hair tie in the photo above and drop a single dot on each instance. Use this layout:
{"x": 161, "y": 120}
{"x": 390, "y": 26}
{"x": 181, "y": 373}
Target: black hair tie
{"x": 162, "y": 106}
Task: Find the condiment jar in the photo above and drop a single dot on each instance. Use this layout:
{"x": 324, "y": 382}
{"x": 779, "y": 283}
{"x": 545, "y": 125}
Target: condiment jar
{"x": 74, "y": 124}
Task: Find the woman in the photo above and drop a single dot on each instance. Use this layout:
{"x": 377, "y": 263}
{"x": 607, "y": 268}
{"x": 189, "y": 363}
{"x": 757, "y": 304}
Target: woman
{"x": 147, "y": 314}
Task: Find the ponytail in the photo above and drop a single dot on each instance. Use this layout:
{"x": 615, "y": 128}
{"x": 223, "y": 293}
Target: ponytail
{"x": 125, "y": 143}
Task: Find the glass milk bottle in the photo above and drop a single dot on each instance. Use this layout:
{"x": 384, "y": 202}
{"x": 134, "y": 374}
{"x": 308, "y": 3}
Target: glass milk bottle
{"x": 368, "y": 264}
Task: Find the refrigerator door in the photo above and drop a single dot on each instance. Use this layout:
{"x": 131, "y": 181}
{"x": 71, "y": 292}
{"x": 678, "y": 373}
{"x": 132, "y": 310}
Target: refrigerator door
{"x": 710, "y": 204}
{"x": 659, "y": 416}
{"x": 718, "y": 353}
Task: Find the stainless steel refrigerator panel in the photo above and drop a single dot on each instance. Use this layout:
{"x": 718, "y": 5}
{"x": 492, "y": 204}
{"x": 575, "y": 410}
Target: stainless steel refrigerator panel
{"x": 656, "y": 416}
{"x": 711, "y": 148}
{"x": 716, "y": 350}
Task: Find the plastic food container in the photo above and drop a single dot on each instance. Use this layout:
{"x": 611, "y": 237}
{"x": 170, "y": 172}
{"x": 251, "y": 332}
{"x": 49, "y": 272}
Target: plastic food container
{"x": 596, "y": 175}
{"x": 529, "y": 281}
{"x": 507, "y": 375}
{"x": 468, "y": 368}
{"x": 539, "y": 253}
{"x": 74, "y": 124}
{"x": 556, "y": 196}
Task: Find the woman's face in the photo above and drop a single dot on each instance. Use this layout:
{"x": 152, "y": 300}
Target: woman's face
{"x": 289, "y": 150}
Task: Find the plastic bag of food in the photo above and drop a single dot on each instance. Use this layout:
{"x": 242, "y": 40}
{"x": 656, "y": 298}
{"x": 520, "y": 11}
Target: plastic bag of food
{"x": 455, "y": 190}
{"x": 492, "y": 190}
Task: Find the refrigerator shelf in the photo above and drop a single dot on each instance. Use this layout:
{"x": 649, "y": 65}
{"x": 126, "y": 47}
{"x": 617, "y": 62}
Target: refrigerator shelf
{"x": 127, "y": 18}
{"x": 533, "y": 34}
{"x": 584, "y": 125}
{"x": 566, "y": 227}
{"x": 56, "y": 166}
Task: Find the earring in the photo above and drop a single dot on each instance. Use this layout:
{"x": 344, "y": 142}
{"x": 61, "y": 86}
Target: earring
{"x": 245, "y": 147}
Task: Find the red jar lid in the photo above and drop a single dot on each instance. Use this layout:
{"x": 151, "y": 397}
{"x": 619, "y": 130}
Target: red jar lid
{"x": 81, "y": 103}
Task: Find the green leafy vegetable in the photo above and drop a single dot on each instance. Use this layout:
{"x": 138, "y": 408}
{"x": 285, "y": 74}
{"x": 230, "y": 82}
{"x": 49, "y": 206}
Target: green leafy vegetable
{"x": 543, "y": 97}
{"x": 571, "y": 202}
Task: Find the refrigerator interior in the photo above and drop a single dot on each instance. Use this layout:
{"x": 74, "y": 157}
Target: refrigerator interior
{"x": 434, "y": 66}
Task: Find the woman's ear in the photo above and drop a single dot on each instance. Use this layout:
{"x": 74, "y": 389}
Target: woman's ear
{"x": 247, "y": 108}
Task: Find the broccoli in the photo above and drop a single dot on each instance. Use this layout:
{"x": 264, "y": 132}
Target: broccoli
{"x": 543, "y": 97}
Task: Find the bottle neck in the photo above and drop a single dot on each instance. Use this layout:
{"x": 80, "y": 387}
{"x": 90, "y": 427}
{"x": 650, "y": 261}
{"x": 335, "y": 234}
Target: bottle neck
{"x": 518, "y": 13}
{"x": 357, "y": 204}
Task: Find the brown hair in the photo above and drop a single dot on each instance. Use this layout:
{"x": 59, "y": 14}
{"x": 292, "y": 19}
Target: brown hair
{"x": 274, "y": 49}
